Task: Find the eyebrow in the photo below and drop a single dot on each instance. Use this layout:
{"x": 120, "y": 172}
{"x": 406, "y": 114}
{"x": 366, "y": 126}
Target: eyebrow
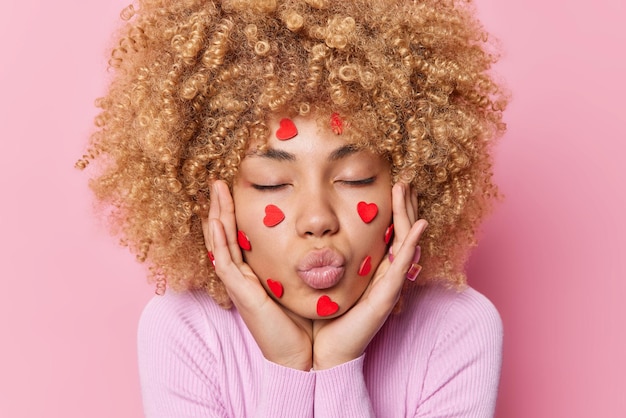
{"x": 343, "y": 152}
{"x": 275, "y": 154}
{"x": 280, "y": 155}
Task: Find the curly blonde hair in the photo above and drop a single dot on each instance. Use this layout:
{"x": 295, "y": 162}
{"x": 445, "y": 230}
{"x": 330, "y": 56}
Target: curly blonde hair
{"x": 196, "y": 80}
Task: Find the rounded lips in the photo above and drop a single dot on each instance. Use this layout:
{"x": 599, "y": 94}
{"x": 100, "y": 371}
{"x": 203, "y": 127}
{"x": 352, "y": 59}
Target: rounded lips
{"x": 321, "y": 269}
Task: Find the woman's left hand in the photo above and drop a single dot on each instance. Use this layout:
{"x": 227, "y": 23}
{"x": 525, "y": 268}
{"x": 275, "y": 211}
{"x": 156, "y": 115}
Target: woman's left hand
{"x": 337, "y": 341}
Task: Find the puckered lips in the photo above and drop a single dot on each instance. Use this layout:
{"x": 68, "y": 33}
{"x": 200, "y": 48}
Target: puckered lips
{"x": 321, "y": 269}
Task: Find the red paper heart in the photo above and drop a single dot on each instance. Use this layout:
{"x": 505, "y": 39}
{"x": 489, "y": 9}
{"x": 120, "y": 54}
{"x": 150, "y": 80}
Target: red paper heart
{"x": 243, "y": 241}
{"x": 367, "y": 211}
{"x": 326, "y": 307}
{"x": 366, "y": 266}
{"x": 273, "y": 216}
{"x": 287, "y": 129}
{"x": 388, "y": 234}
{"x": 336, "y": 123}
{"x": 275, "y": 287}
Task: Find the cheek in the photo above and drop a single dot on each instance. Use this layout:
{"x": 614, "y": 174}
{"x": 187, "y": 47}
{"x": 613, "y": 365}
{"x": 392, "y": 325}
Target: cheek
{"x": 374, "y": 211}
{"x": 259, "y": 222}
{"x": 273, "y": 216}
{"x": 370, "y": 224}
{"x": 367, "y": 211}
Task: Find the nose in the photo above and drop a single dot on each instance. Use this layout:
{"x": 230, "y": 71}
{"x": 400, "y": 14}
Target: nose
{"x": 317, "y": 217}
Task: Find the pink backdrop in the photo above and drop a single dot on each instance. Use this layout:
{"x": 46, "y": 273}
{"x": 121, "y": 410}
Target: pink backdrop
{"x": 551, "y": 257}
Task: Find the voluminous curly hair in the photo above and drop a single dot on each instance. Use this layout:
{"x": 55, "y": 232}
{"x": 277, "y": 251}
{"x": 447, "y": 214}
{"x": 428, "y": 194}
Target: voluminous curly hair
{"x": 196, "y": 80}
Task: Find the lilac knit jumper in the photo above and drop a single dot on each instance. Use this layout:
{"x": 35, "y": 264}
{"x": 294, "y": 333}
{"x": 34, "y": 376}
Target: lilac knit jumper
{"x": 440, "y": 357}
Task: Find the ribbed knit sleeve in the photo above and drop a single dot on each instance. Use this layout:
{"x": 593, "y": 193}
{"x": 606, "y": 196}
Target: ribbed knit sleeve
{"x": 341, "y": 392}
{"x": 439, "y": 357}
{"x": 198, "y": 360}
{"x": 286, "y": 392}
{"x": 177, "y": 369}
{"x": 463, "y": 372}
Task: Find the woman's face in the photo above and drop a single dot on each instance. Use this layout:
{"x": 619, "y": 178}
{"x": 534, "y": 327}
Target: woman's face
{"x": 305, "y": 205}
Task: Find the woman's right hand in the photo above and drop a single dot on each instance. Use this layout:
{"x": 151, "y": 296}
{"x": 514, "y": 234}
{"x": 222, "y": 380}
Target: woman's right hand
{"x": 282, "y": 338}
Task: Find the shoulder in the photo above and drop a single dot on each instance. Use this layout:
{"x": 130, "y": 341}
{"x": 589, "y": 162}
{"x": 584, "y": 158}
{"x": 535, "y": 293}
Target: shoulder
{"x": 183, "y": 340}
{"x": 448, "y": 310}
{"x": 185, "y": 324}
{"x": 436, "y": 319}
{"x": 446, "y": 322}
{"x": 186, "y": 304}
{"x": 463, "y": 350}
{"x": 175, "y": 312}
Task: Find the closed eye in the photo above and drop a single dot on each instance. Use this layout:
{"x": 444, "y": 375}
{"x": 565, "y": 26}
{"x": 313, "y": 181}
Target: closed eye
{"x": 268, "y": 187}
{"x": 361, "y": 182}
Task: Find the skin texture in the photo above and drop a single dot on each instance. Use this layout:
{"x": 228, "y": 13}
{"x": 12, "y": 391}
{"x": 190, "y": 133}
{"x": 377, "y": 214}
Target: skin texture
{"x": 319, "y": 195}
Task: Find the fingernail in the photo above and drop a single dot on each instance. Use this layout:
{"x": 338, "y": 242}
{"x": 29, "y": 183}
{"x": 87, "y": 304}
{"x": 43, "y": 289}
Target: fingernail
{"x": 211, "y": 257}
{"x": 413, "y": 272}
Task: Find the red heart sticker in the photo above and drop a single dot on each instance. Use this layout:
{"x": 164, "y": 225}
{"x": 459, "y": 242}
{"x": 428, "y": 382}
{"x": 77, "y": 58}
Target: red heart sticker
{"x": 243, "y": 241}
{"x": 287, "y": 129}
{"x": 273, "y": 216}
{"x": 336, "y": 123}
{"x": 326, "y": 307}
{"x": 367, "y": 211}
{"x": 366, "y": 266}
{"x": 275, "y": 287}
{"x": 388, "y": 234}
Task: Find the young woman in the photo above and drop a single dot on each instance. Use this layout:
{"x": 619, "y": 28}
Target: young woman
{"x": 306, "y": 178}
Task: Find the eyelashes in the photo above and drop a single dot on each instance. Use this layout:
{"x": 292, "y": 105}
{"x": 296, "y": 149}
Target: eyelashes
{"x": 353, "y": 183}
{"x": 362, "y": 182}
{"x": 268, "y": 187}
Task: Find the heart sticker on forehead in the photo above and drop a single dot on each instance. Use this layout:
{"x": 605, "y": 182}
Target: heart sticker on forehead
{"x": 275, "y": 287}
{"x": 273, "y": 216}
{"x": 287, "y": 129}
{"x": 326, "y": 307}
{"x": 367, "y": 211}
{"x": 336, "y": 123}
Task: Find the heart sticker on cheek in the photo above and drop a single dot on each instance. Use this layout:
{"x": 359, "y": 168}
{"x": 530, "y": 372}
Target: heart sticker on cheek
{"x": 287, "y": 129}
{"x": 388, "y": 234}
{"x": 366, "y": 266}
{"x": 273, "y": 216}
{"x": 326, "y": 307}
{"x": 243, "y": 241}
{"x": 367, "y": 211}
{"x": 275, "y": 287}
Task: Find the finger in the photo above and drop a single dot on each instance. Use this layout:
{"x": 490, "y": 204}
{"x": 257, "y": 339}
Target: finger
{"x": 414, "y": 212}
{"x": 401, "y": 222}
{"x": 227, "y": 218}
{"x": 408, "y": 204}
{"x": 213, "y": 214}
{"x": 388, "y": 288}
{"x": 243, "y": 287}
{"x": 383, "y": 294}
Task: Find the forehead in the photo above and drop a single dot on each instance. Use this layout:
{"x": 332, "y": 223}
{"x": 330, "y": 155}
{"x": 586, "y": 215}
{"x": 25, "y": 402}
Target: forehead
{"x": 301, "y": 135}
{"x": 310, "y": 147}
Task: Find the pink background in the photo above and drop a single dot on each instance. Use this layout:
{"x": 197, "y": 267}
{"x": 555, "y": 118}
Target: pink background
{"x": 551, "y": 257}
